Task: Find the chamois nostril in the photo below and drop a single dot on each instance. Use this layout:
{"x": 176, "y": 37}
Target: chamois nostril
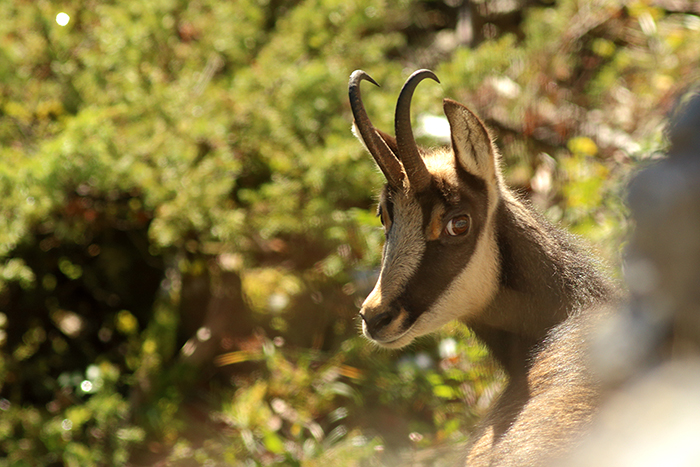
{"x": 379, "y": 322}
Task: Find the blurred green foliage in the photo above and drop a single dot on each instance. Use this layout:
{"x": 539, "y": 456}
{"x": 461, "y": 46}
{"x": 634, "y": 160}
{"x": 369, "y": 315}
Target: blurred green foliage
{"x": 187, "y": 228}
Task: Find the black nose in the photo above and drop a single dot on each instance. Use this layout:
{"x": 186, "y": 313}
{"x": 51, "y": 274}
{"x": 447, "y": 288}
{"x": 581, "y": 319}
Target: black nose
{"x": 376, "y": 323}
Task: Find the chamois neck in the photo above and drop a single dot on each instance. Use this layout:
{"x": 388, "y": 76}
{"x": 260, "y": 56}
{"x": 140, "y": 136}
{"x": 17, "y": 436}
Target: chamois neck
{"x": 545, "y": 277}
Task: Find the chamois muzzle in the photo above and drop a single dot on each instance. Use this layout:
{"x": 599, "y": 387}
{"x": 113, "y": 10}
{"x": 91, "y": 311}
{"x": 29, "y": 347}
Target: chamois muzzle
{"x": 385, "y": 327}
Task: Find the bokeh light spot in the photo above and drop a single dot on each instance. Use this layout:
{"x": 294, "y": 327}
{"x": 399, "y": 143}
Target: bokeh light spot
{"x": 62, "y": 18}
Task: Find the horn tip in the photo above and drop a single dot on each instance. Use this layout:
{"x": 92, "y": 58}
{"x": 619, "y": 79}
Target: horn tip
{"x": 427, "y": 74}
{"x": 359, "y": 75}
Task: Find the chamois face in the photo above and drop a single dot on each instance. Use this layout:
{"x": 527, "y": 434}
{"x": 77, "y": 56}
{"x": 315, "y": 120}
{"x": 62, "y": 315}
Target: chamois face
{"x": 440, "y": 259}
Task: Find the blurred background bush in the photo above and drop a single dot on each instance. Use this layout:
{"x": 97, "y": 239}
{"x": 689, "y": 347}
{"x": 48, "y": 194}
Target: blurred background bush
{"x": 187, "y": 224}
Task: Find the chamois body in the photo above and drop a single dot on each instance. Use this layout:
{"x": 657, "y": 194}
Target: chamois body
{"x": 551, "y": 295}
{"x": 460, "y": 245}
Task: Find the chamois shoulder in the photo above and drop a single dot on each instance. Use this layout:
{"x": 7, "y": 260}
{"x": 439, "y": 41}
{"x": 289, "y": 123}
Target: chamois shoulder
{"x": 564, "y": 395}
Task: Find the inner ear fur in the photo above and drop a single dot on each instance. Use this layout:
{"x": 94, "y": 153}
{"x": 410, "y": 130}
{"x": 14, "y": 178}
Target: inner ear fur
{"x": 471, "y": 142}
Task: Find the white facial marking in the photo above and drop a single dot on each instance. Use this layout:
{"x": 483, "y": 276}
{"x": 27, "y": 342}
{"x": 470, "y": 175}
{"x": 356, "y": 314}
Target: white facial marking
{"x": 470, "y": 292}
{"x": 403, "y": 252}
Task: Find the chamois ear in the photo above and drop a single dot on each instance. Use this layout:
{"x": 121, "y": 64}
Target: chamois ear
{"x": 389, "y": 140}
{"x": 471, "y": 142}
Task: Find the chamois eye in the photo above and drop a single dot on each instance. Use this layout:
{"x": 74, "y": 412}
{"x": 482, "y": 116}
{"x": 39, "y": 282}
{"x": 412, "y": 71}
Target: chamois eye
{"x": 458, "y": 225}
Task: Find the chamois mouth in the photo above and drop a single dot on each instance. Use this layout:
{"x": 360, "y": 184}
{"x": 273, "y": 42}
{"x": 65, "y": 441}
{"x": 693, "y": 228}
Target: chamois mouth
{"x": 394, "y": 342}
{"x": 401, "y": 341}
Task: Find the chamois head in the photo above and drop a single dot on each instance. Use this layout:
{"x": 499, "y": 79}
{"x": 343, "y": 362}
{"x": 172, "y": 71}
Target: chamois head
{"x": 440, "y": 260}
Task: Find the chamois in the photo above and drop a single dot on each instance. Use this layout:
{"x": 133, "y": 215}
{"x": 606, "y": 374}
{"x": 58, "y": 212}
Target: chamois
{"x": 461, "y": 245}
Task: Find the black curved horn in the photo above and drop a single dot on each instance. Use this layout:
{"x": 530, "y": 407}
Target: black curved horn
{"x": 385, "y": 158}
{"x": 413, "y": 164}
